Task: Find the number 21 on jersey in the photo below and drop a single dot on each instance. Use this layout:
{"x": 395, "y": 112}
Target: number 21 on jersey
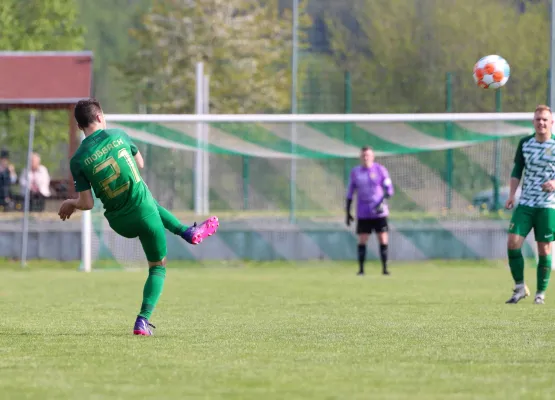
{"x": 116, "y": 172}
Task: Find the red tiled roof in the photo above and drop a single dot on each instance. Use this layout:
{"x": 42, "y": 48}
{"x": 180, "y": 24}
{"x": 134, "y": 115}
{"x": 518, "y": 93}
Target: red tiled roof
{"x": 44, "y": 79}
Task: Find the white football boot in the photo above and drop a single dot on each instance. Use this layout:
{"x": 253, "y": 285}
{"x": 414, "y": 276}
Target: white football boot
{"x": 540, "y": 298}
{"x": 520, "y": 291}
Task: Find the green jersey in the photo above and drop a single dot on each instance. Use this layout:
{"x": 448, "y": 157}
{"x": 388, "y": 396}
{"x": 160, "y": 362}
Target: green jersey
{"x": 537, "y": 160}
{"x": 104, "y": 161}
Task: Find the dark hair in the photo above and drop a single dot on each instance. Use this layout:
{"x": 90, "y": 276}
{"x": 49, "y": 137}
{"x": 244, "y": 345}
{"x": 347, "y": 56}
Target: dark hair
{"x": 4, "y": 153}
{"x": 86, "y": 111}
{"x": 365, "y": 148}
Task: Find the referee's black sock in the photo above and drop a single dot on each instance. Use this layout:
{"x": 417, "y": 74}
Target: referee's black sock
{"x": 361, "y": 257}
{"x": 383, "y": 256}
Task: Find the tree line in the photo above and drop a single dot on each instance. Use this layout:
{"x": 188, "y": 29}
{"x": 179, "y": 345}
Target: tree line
{"x": 397, "y": 52}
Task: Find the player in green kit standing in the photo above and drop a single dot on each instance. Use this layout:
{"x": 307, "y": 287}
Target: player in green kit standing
{"x": 108, "y": 162}
{"x": 535, "y": 156}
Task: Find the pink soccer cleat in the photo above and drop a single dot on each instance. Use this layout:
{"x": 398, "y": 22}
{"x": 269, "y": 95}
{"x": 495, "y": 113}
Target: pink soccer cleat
{"x": 197, "y": 233}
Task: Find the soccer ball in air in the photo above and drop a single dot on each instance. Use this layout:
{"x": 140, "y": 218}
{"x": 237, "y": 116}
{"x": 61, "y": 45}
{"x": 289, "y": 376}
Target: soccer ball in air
{"x": 491, "y": 72}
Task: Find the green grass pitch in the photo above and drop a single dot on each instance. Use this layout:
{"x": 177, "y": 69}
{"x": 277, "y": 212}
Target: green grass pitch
{"x": 433, "y": 330}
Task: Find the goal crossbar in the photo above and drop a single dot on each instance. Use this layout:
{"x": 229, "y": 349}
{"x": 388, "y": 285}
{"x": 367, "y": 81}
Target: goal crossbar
{"x": 207, "y": 118}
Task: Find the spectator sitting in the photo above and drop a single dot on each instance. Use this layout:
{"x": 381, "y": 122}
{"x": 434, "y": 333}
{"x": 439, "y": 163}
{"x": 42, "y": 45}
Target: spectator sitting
{"x": 7, "y": 178}
{"x": 38, "y": 180}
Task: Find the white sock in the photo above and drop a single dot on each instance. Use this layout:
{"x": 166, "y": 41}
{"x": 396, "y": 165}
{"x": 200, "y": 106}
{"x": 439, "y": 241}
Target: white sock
{"x": 519, "y": 286}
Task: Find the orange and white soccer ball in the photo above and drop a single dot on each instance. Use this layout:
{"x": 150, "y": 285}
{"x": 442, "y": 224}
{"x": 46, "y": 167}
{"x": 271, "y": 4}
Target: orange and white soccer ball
{"x": 491, "y": 72}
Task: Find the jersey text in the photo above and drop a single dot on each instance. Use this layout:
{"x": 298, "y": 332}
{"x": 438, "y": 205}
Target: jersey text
{"x": 99, "y": 153}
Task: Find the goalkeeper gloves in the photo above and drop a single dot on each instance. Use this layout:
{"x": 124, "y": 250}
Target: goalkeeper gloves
{"x": 379, "y": 207}
{"x": 349, "y": 218}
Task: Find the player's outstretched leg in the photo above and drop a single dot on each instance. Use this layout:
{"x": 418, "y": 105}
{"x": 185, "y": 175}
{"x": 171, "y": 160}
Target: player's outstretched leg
{"x": 171, "y": 223}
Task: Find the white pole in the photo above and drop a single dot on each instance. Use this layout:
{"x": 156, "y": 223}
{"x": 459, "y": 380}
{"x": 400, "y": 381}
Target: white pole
{"x": 294, "y": 68}
{"x": 86, "y": 237}
{"x": 25, "y": 230}
{"x": 199, "y": 153}
{"x": 551, "y": 87}
{"x": 552, "y": 58}
{"x": 294, "y": 57}
{"x": 206, "y": 159}
{"x": 86, "y": 241}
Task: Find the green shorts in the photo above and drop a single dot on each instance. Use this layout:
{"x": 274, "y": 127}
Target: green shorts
{"x": 149, "y": 229}
{"x": 542, "y": 220}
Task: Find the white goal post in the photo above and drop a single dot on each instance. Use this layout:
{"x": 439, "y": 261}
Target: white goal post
{"x": 345, "y": 118}
{"x": 202, "y": 119}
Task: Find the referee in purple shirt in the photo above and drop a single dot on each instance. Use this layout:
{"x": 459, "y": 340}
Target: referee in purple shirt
{"x": 373, "y": 186}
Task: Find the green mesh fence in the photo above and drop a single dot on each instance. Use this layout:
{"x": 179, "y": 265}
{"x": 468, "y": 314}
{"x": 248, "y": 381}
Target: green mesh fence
{"x": 435, "y": 165}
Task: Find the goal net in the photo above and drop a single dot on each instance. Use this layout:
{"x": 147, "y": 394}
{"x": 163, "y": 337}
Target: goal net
{"x": 278, "y": 183}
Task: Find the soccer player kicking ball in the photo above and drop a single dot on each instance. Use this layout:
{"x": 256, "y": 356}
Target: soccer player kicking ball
{"x": 372, "y": 184}
{"x": 107, "y": 161}
{"x": 536, "y": 209}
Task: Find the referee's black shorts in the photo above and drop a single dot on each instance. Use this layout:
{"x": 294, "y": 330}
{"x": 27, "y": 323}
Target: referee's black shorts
{"x": 370, "y": 225}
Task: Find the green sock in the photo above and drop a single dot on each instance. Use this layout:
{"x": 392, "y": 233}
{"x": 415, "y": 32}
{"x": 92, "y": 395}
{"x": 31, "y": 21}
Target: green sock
{"x": 152, "y": 290}
{"x": 171, "y": 223}
{"x": 544, "y": 272}
{"x": 516, "y": 263}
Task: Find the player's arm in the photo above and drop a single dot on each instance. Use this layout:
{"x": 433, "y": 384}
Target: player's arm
{"x": 516, "y": 175}
{"x": 85, "y": 200}
{"x": 518, "y": 169}
{"x": 349, "y": 201}
{"x": 139, "y": 160}
{"x": 387, "y": 184}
